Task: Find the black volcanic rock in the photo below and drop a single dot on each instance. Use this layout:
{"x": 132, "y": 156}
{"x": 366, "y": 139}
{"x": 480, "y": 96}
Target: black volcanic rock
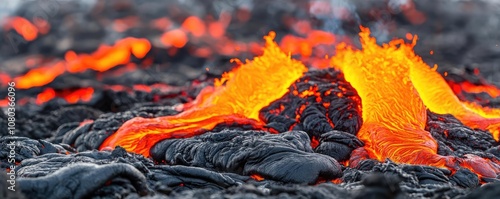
{"x": 380, "y": 186}
{"x": 5, "y": 192}
{"x": 286, "y": 157}
{"x": 465, "y": 178}
{"x": 338, "y": 145}
{"x": 486, "y": 191}
{"x": 81, "y": 180}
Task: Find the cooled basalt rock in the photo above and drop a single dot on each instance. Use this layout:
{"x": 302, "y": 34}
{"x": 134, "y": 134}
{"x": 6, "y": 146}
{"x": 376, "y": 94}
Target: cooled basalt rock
{"x": 89, "y": 136}
{"x": 456, "y": 139}
{"x": 485, "y": 192}
{"x": 81, "y": 180}
{"x": 465, "y": 178}
{"x": 251, "y": 191}
{"x": 40, "y": 126}
{"x": 26, "y": 148}
{"x": 114, "y": 174}
{"x": 380, "y": 186}
{"x": 406, "y": 181}
{"x": 187, "y": 178}
{"x": 338, "y": 145}
{"x": 286, "y": 157}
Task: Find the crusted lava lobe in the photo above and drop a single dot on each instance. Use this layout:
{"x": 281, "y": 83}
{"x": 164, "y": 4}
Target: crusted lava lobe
{"x": 286, "y": 157}
{"x": 80, "y": 180}
{"x": 325, "y": 106}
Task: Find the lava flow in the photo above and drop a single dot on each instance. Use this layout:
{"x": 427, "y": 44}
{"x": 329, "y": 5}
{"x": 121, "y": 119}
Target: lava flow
{"x": 237, "y": 97}
{"x": 103, "y": 59}
{"x": 396, "y": 87}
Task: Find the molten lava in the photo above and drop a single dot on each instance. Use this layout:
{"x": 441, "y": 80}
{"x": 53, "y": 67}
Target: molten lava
{"x": 40, "y": 76}
{"x": 472, "y": 88}
{"x": 237, "y": 97}
{"x": 304, "y": 46}
{"x": 71, "y": 96}
{"x": 107, "y": 57}
{"x": 22, "y": 26}
{"x": 396, "y": 87}
{"x": 103, "y": 59}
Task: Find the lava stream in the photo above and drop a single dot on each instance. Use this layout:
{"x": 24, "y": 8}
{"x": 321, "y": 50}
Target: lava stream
{"x": 237, "y": 97}
{"x": 396, "y": 87}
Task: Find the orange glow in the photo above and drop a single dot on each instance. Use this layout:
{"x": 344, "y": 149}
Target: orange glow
{"x": 4, "y": 79}
{"x": 45, "y": 96}
{"x": 161, "y": 23}
{"x": 22, "y": 26}
{"x": 39, "y": 76}
{"x": 107, "y": 57}
{"x": 123, "y": 24}
{"x": 409, "y": 36}
{"x": 86, "y": 121}
{"x": 104, "y": 58}
{"x": 314, "y": 142}
{"x": 4, "y": 102}
{"x": 144, "y": 88}
{"x": 304, "y": 46}
{"x": 337, "y": 181}
{"x": 302, "y": 27}
{"x": 411, "y": 13}
{"x": 257, "y": 177}
{"x": 42, "y": 25}
{"x": 82, "y": 94}
{"x": 472, "y": 88}
{"x": 203, "y": 52}
{"x": 295, "y": 45}
{"x": 139, "y": 47}
{"x": 176, "y": 38}
{"x": 194, "y": 25}
{"x": 243, "y": 15}
{"x": 216, "y": 29}
{"x": 237, "y": 97}
{"x": 320, "y": 63}
{"x": 396, "y": 87}
{"x": 318, "y": 37}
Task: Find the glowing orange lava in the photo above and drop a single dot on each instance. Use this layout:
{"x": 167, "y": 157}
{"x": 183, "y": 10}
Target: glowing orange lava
{"x": 71, "y": 96}
{"x": 22, "y": 26}
{"x": 176, "y": 38}
{"x": 472, "y": 88}
{"x": 237, "y": 97}
{"x": 257, "y": 177}
{"x": 304, "y": 46}
{"x": 40, "y": 76}
{"x": 396, "y": 87}
{"x": 194, "y": 25}
{"x": 104, "y": 58}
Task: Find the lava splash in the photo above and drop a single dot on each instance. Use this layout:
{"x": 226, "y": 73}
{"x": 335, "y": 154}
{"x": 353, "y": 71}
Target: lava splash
{"x": 396, "y": 87}
{"x": 237, "y": 97}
